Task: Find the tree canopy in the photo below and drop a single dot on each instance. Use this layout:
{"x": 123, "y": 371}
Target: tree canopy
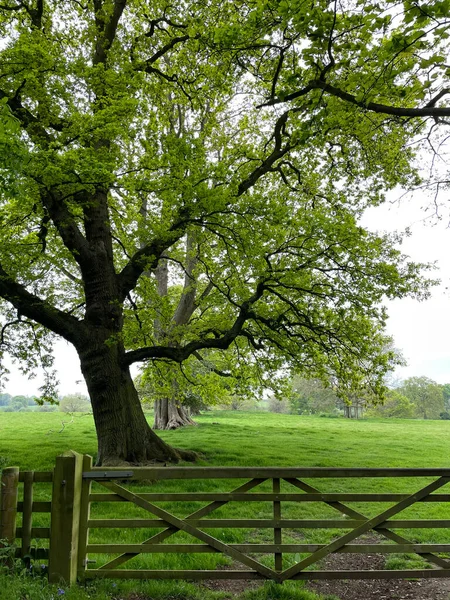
{"x": 252, "y": 134}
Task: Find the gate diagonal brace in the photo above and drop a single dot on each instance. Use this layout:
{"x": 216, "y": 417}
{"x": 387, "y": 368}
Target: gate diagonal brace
{"x": 387, "y": 533}
{"x": 181, "y": 525}
{"x": 368, "y": 525}
{"x": 198, "y": 514}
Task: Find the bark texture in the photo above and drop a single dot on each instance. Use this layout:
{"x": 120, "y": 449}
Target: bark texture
{"x": 124, "y": 436}
{"x": 170, "y": 415}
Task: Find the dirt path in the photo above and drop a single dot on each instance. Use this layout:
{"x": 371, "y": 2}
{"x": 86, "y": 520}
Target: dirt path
{"x": 376, "y": 589}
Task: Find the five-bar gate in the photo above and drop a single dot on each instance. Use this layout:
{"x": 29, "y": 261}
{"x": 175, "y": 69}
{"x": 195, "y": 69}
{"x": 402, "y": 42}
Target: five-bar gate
{"x": 280, "y": 497}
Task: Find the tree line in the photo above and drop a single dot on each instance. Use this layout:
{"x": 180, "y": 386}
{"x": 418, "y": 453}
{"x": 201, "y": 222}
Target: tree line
{"x": 68, "y": 403}
{"x": 415, "y": 397}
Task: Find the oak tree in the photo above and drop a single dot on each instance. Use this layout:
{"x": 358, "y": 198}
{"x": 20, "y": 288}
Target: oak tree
{"x": 260, "y": 130}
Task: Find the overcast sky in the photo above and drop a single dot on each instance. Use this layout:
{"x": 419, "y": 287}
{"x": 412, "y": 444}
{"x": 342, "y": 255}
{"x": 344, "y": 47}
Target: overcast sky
{"x": 420, "y": 329}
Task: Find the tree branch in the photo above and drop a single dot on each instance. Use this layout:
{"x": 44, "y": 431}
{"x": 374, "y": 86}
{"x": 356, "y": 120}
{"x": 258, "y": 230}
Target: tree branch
{"x": 211, "y": 368}
{"x": 173, "y": 42}
{"x": 67, "y": 228}
{"x": 37, "y": 309}
{"x": 147, "y": 258}
{"x": 278, "y": 152}
{"x": 429, "y": 110}
{"x": 179, "y": 354}
{"x": 28, "y": 121}
{"x": 107, "y": 31}
{"x": 187, "y": 305}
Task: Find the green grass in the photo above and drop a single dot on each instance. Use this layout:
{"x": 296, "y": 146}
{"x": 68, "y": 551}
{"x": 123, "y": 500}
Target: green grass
{"x": 32, "y": 440}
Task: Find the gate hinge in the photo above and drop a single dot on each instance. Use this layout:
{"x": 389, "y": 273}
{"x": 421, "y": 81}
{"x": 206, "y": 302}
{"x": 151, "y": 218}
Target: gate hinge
{"x": 107, "y": 474}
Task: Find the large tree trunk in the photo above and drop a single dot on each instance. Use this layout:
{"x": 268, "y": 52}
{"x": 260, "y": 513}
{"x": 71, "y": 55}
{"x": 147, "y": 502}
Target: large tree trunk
{"x": 124, "y": 436}
{"x": 171, "y": 415}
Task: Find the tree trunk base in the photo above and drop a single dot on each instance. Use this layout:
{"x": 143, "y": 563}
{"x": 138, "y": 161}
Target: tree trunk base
{"x": 181, "y": 455}
{"x": 170, "y": 415}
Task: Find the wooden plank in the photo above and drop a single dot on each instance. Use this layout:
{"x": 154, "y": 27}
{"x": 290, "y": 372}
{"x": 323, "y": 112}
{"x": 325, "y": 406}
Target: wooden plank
{"x": 277, "y": 532}
{"x": 27, "y": 519}
{"x": 266, "y": 497}
{"x": 304, "y": 575}
{"x": 402, "y": 574}
{"x": 183, "y": 526}
{"x": 83, "y": 532}
{"x": 160, "y": 473}
{"x": 9, "y": 484}
{"x": 136, "y": 549}
{"x": 38, "y": 507}
{"x": 163, "y": 535}
{"x": 38, "y": 476}
{"x": 126, "y": 523}
{"x": 367, "y": 526}
{"x": 65, "y": 518}
{"x": 271, "y": 523}
{"x": 187, "y": 574}
{"x": 387, "y": 533}
{"x": 415, "y": 524}
{"x": 36, "y": 532}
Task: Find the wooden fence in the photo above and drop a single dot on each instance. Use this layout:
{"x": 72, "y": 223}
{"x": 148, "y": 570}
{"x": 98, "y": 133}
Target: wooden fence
{"x": 283, "y": 490}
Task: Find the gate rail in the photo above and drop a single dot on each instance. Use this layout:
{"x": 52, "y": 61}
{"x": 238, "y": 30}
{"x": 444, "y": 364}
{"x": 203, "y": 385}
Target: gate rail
{"x": 71, "y": 522}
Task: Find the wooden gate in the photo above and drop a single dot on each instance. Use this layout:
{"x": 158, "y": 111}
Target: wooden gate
{"x": 296, "y": 491}
{"x": 281, "y": 500}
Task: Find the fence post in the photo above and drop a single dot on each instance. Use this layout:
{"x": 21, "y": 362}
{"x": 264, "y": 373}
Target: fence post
{"x": 27, "y": 516}
{"x": 65, "y": 518}
{"x": 85, "y": 505}
{"x": 8, "y": 507}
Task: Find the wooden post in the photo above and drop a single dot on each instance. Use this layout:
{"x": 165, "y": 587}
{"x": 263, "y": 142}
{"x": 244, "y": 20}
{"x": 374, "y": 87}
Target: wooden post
{"x": 8, "y": 507}
{"x": 65, "y": 518}
{"x": 85, "y": 506}
{"x": 27, "y": 517}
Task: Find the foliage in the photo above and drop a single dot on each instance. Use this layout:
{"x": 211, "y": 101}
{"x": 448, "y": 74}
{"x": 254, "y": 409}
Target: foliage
{"x": 310, "y": 397}
{"x": 5, "y": 399}
{"x": 426, "y": 396}
{"x": 196, "y": 384}
{"x": 446, "y": 394}
{"x": 10, "y": 403}
{"x": 395, "y": 405}
{"x": 279, "y": 406}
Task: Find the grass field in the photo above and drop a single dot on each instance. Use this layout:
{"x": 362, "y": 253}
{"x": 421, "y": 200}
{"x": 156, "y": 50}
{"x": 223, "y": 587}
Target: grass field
{"x": 32, "y": 440}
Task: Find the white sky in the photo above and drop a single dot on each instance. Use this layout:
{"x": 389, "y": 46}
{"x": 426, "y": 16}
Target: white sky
{"x": 420, "y": 329}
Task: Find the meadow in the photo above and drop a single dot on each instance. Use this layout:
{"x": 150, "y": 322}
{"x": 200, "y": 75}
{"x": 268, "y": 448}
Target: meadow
{"x": 233, "y": 438}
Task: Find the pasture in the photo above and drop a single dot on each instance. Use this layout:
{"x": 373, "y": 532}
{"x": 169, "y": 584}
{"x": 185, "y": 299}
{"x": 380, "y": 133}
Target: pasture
{"x": 32, "y": 440}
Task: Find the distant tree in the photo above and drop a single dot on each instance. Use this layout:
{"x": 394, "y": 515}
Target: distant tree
{"x": 18, "y": 402}
{"x": 5, "y": 399}
{"x": 446, "y": 393}
{"x": 426, "y": 395}
{"x": 47, "y": 408}
{"x": 395, "y": 405}
{"x": 279, "y": 406}
{"x": 310, "y": 396}
{"x": 354, "y": 405}
{"x": 74, "y": 403}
